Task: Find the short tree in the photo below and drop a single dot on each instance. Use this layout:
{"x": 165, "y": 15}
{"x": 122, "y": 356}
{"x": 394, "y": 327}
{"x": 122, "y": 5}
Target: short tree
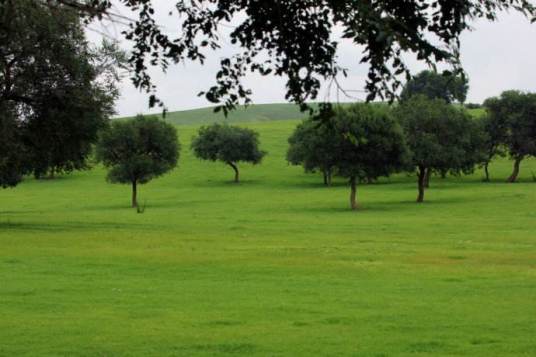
{"x": 441, "y": 138}
{"x": 496, "y": 133}
{"x": 312, "y": 146}
{"x": 517, "y": 112}
{"x": 370, "y": 144}
{"x": 229, "y": 144}
{"x": 436, "y": 86}
{"x": 137, "y": 150}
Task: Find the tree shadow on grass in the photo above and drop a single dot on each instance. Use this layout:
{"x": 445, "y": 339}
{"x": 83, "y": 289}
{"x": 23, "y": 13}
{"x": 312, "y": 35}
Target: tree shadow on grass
{"x": 71, "y": 226}
{"x": 227, "y": 183}
{"x": 409, "y": 205}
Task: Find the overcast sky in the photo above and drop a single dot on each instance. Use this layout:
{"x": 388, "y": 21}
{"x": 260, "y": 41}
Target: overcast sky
{"x": 497, "y": 56}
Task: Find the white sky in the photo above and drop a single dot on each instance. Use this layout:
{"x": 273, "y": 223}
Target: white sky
{"x": 497, "y": 56}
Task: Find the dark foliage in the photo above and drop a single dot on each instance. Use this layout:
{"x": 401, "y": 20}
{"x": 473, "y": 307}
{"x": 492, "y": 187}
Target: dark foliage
{"x": 369, "y": 143}
{"x": 58, "y": 89}
{"x": 293, "y": 39}
{"x": 137, "y": 150}
{"x": 11, "y": 150}
{"x": 514, "y": 116}
{"x": 229, "y": 144}
{"x": 433, "y": 85}
{"x": 441, "y": 137}
{"x": 312, "y": 146}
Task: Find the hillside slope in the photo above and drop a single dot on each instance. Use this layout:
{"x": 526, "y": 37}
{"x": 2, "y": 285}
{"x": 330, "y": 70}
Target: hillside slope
{"x": 252, "y": 113}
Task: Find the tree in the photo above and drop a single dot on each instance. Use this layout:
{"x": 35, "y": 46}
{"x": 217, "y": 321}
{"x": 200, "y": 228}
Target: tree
{"x": 440, "y": 137}
{"x": 297, "y": 38}
{"x": 59, "y": 89}
{"x": 312, "y": 146}
{"x": 496, "y": 133}
{"x": 138, "y": 150}
{"x": 229, "y": 144}
{"x": 11, "y": 149}
{"x": 517, "y": 112}
{"x": 433, "y": 85}
{"x": 370, "y": 144}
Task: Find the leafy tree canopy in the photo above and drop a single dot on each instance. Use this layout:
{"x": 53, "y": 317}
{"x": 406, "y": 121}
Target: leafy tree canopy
{"x": 494, "y": 145}
{"x": 370, "y": 144}
{"x": 294, "y": 38}
{"x": 11, "y": 149}
{"x": 137, "y": 150}
{"x": 58, "y": 89}
{"x": 312, "y": 146}
{"x": 433, "y": 85}
{"x": 440, "y": 136}
{"x": 229, "y": 144}
{"x": 514, "y": 113}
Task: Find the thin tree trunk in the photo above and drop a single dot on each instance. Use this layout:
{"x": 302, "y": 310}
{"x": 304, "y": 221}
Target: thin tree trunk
{"x": 325, "y": 173}
{"x": 353, "y": 193}
{"x": 486, "y": 172}
{"x": 421, "y": 181}
{"x": 235, "y": 168}
{"x": 329, "y": 177}
{"x": 515, "y": 173}
{"x": 443, "y": 174}
{"x": 427, "y": 178}
{"x": 134, "y": 194}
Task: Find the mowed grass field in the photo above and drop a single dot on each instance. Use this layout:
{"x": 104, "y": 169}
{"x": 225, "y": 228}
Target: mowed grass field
{"x": 275, "y": 265}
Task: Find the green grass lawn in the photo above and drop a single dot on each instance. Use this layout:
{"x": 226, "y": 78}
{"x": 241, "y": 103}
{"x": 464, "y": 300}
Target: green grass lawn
{"x": 276, "y": 265}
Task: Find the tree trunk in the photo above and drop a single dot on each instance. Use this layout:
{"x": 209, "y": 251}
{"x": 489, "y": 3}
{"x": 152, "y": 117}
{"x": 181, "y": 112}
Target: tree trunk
{"x": 327, "y": 177}
{"x": 235, "y": 168}
{"x": 515, "y": 173}
{"x": 353, "y": 194}
{"x": 421, "y": 182}
{"x": 486, "y": 172}
{"x": 443, "y": 174}
{"x": 134, "y": 194}
{"x": 427, "y": 178}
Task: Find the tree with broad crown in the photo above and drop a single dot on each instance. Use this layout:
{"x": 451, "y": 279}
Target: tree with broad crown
{"x": 59, "y": 89}
{"x": 370, "y": 144}
{"x": 440, "y": 137}
{"x": 229, "y": 144}
{"x": 517, "y": 112}
{"x": 137, "y": 150}
{"x": 312, "y": 146}
{"x": 496, "y": 133}
{"x": 433, "y": 85}
{"x": 296, "y": 37}
{"x": 11, "y": 150}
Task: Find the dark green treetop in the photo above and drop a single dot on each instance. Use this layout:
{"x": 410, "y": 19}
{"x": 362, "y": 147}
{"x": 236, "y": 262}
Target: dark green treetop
{"x": 12, "y": 155}
{"x": 296, "y": 37}
{"x": 229, "y": 144}
{"x": 312, "y": 146}
{"x": 370, "y": 144}
{"x": 138, "y": 150}
{"x": 515, "y": 111}
{"x": 434, "y": 85}
{"x": 57, "y": 86}
{"x": 440, "y": 137}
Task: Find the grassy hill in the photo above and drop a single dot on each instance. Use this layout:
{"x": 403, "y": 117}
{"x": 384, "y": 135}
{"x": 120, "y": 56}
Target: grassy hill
{"x": 250, "y": 114}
